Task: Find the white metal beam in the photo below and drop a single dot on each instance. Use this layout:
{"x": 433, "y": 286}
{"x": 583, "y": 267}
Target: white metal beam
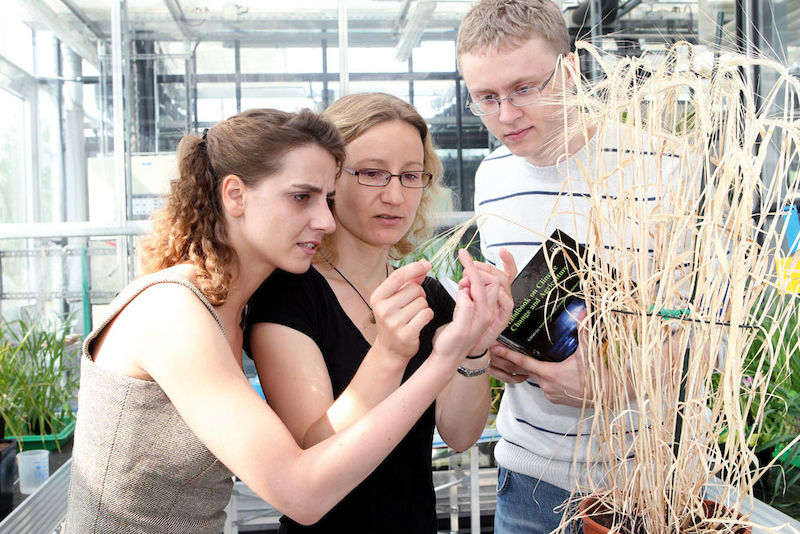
{"x": 344, "y": 68}
{"x": 421, "y": 13}
{"x": 39, "y": 11}
{"x": 72, "y": 229}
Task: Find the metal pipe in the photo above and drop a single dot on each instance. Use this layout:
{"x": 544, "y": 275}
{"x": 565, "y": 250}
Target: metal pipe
{"x": 411, "y": 80}
{"x": 156, "y": 108}
{"x": 325, "y": 102}
{"x": 627, "y": 7}
{"x": 460, "y": 145}
{"x": 237, "y": 65}
{"x": 594, "y": 21}
{"x": 86, "y": 21}
{"x": 344, "y": 71}
{"x": 118, "y": 45}
{"x": 72, "y": 229}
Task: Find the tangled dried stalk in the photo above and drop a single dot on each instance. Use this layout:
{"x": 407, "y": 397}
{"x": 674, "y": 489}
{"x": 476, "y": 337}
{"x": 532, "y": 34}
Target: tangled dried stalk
{"x": 677, "y": 289}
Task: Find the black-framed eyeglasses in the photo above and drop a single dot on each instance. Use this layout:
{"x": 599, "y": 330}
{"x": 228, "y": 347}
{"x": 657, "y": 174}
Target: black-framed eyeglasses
{"x": 381, "y": 177}
{"x": 519, "y": 98}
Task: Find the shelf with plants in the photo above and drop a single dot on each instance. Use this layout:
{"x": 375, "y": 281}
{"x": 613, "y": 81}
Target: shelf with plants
{"x": 39, "y": 372}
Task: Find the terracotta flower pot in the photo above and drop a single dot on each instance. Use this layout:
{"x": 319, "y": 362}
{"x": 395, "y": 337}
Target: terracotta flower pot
{"x": 593, "y": 513}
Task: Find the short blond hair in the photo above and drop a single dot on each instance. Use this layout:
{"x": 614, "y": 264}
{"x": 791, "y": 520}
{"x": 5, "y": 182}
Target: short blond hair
{"x": 500, "y": 24}
{"x": 353, "y": 115}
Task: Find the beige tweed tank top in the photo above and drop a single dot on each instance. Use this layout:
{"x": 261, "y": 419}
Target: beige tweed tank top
{"x": 136, "y": 465}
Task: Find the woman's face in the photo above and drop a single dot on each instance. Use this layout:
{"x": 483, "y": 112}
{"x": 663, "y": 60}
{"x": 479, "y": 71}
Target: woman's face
{"x": 286, "y": 214}
{"x": 380, "y": 216}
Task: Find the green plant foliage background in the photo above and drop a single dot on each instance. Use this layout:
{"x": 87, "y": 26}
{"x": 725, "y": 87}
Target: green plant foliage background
{"x": 780, "y": 487}
{"x": 39, "y": 375}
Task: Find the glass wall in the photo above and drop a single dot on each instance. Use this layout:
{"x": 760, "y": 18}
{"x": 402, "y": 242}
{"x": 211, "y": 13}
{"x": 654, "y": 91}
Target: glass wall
{"x": 13, "y": 191}
{"x": 177, "y": 67}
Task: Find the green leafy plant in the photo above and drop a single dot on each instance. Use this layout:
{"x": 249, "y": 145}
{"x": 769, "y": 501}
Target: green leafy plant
{"x": 441, "y": 250}
{"x": 781, "y": 484}
{"x": 780, "y": 424}
{"x": 38, "y": 375}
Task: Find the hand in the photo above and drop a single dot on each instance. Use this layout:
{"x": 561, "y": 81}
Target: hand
{"x": 401, "y": 309}
{"x": 473, "y": 314}
{"x": 561, "y": 382}
{"x": 498, "y": 287}
{"x": 505, "y": 369}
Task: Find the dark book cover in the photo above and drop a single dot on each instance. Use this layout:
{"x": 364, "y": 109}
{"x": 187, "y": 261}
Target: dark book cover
{"x": 546, "y": 302}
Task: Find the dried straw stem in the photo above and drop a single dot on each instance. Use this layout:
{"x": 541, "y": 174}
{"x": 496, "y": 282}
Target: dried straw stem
{"x": 680, "y": 223}
{"x": 666, "y": 393}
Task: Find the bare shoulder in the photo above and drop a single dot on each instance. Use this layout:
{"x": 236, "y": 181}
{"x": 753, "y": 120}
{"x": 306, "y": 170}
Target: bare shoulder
{"x": 162, "y": 320}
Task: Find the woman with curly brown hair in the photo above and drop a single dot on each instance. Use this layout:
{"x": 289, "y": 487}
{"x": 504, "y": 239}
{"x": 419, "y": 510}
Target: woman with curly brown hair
{"x": 319, "y": 339}
{"x": 166, "y": 415}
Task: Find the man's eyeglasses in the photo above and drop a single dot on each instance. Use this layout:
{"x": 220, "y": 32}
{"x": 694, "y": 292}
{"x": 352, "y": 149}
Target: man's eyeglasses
{"x": 381, "y": 177}
{"x": 519, "y": 98}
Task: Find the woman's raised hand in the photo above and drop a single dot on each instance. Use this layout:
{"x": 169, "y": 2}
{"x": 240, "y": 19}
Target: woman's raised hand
{"x": 476, "y": 305}
{"x": 498, "y": 287}
{"x": 401, "y": 309}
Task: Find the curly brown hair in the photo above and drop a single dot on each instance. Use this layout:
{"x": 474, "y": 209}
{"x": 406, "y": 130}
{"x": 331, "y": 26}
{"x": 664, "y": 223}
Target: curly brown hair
{"x": 252, "y": 145}
{"x": 355, "y": 114}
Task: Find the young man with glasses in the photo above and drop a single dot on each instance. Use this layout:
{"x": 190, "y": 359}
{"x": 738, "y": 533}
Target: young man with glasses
{"x": 510, "y": 54}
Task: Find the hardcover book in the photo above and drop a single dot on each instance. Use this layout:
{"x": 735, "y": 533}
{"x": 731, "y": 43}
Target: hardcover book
{"x": 547, "y": 302}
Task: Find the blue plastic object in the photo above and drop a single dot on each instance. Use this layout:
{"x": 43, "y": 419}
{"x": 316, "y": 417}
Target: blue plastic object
{"x": 792, "y": 227}
{"x": 257, "y": 386}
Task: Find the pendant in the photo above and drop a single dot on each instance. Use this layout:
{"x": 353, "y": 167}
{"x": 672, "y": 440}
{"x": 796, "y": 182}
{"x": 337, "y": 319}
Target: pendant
{"x": 371, "y": 317}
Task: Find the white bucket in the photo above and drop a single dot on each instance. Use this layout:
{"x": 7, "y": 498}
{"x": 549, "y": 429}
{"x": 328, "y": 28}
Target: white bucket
{"x": 34, "y": 468}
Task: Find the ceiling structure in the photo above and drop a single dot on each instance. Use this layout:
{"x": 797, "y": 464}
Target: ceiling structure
{"x": 400, "y": 24}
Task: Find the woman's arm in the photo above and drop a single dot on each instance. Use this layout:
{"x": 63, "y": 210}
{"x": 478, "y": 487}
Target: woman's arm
{"x": 295, "y": 378}
{"x": 462, "y": 407}
{"x": 203, "y": 380}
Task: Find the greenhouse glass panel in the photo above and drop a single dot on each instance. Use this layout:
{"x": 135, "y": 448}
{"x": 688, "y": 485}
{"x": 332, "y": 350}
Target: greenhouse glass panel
{"x": 13, "y": 191}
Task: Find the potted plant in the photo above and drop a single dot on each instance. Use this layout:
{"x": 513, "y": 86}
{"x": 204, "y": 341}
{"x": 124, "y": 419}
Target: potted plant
{"x": 40, "y": 379}
{"x": 780, "y": 486}
{"x": 680, "y": 283}
{"x": 679, "y": 280}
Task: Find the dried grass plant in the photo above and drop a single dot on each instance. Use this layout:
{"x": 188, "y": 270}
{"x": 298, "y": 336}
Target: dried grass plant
{"x": 678, "y": 289}
{"x": 678, "y": 292}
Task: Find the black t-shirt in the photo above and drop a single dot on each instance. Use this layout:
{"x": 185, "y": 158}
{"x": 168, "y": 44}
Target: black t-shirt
{"x": 398, "y": 496}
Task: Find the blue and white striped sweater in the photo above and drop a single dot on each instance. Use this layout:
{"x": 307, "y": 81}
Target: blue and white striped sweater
{"x": 523, "y": 204}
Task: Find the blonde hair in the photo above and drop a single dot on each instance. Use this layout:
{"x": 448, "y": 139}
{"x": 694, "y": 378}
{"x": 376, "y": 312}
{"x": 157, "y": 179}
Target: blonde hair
{"x": 499, "y": 24}
{"x": 191, "y": 226}
{"x": 355, "y": 114}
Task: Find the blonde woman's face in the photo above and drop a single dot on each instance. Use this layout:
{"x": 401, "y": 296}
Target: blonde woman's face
{"x": 380, "y": 216}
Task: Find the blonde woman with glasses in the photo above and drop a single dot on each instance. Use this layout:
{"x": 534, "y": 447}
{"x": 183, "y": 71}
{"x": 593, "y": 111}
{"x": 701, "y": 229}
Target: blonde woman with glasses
{"x": 332, "y": 343}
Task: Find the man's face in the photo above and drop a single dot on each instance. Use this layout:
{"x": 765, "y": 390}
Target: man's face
{"x": 495, "y": 73}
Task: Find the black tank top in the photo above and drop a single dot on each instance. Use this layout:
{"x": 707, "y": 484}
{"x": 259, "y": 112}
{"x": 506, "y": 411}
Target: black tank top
{"x": 398, "y": 496}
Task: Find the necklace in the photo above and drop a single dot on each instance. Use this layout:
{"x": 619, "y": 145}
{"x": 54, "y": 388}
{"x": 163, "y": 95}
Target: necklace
{"x": 371, "y": 314}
